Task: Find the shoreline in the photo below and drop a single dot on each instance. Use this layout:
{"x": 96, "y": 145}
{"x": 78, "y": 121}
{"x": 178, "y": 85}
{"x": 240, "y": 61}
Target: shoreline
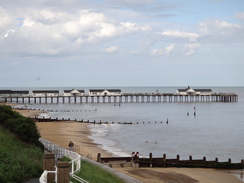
{"x": 61, "y": 133}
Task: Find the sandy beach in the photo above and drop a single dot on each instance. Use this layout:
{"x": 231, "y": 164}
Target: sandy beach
{"x": 62, "y": 133}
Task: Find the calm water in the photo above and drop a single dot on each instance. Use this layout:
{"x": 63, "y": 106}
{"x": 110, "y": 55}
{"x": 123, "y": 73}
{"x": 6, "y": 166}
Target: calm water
{"x": 216, "y": 131}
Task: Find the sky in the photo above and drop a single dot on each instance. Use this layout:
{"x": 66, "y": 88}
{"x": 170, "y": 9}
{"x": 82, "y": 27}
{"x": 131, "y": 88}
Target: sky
{"x": 64, "y": 43}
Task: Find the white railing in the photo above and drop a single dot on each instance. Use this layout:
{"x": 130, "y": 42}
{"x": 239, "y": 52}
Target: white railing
{"x": 59, "y": 152}
{"x": 43, "y": 178}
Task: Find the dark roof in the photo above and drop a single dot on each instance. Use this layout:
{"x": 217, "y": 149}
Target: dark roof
{"x": 96, "y": 90}
{"x": 14, "y": 92}
{"x": 182, "y": 90}
{"x": 20, "y": 92}
{"x": 68, "y": 91}
{"x": 196, "y": 90}
{"x": 203, "y": 90}
{"x": 45, "y": 91}
{"x": 101, "y": 90}
{"x": 114, "y": 90}
{"x": 5, "y": 91}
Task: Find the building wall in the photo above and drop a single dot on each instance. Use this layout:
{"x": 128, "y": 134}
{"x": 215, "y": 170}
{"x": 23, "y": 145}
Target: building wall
{"x": 103, "y": 93}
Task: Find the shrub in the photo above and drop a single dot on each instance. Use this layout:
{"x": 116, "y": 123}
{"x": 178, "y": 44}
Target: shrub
{"x": 24, "y": 128}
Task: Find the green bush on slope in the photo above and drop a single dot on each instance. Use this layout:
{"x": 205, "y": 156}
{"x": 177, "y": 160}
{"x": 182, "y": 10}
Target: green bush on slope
{"x": 22, "y": 127}
{"x": 20, "y": 152}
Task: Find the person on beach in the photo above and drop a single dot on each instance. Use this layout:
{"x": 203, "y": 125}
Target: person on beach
{"x": 71, "y": 146}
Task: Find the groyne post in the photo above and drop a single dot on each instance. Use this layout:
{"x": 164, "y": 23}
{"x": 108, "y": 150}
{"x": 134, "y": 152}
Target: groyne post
{"x": 150, "y": 156}
{"x": 48, "y": 164}
{"x": 229, "y": 161}
{"x": 177, "y": 158}
{"x": 132, "y": 160}
{"x": 164, "y": 158}
{"x": 216, "y": 160}
{"x": 135, "y": 158}
{"x": 99, "y": 157}
{"x": 190, "y": 158}
{"x": 204, "y": 160}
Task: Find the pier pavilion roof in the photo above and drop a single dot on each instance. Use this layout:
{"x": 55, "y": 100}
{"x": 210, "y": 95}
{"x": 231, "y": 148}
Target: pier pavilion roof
{"x": 191, "y": 90}
{"x": 20, "y": 92}
{"x": 14, "y": 92}
{"x": 45, "y": 91}
{"x": 5, "y": 91}
{"x": 96, "y": 90}
{"x": 74, "y": 91}
{"x": 114, "y": 90}
{"x": 203, "y": 90}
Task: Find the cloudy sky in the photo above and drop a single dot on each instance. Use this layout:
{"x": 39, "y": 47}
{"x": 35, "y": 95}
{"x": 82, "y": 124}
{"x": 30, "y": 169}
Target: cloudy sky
{"x": 121, "y": 43}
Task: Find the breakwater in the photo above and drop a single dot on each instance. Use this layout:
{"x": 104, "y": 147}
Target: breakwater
{"x": 136, "y": 161}
{"x": 43, "y": 119}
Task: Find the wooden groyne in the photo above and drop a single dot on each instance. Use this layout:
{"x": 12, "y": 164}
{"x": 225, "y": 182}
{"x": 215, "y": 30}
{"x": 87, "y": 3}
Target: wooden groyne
{"x": 124, "y": 98}
{"x": 135, "y": 161}
{"x": 43, "y": 119}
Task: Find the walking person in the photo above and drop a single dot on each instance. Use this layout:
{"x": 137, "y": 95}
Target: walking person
{"x": 71, "y": 146}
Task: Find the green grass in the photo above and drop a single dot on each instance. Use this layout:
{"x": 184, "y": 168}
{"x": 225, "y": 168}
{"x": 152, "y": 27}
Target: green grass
{"x": 19, "y": 161}
{"x": 94, "y": 174}
{"x": 20, "y": 151}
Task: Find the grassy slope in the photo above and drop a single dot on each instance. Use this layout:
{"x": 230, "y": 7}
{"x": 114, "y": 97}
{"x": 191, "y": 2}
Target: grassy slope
{"x": 94, "y": 174}
{"x": 18, "y": 160}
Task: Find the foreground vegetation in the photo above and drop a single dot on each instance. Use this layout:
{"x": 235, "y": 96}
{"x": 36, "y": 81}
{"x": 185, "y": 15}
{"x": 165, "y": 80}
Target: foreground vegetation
{"x": 94, "y": 174}
{"x": 20, "y": 151}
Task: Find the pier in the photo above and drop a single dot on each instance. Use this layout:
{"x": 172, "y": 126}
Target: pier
{"x": 123, "y": 98}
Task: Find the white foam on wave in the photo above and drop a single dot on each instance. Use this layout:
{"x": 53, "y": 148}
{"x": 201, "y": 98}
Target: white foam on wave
{"x": 99, "y": 135}
{"x": 45, "y": 115}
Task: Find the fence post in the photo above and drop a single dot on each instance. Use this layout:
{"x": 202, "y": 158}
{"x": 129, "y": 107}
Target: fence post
{"x": 48, "y": 164}
{"x": 63, "y": 172}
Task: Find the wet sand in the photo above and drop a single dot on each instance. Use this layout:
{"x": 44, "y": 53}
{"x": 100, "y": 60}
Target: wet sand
{"x": 181, "y": 175}
{"x": 62, "y": 132}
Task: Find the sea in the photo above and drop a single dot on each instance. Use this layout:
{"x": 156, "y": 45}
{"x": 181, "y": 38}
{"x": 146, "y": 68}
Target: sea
{"x": 217, "y": 129}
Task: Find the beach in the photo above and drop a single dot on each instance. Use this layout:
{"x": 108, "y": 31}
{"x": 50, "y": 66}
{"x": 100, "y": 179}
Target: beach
{"x": 62, "y": 133}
